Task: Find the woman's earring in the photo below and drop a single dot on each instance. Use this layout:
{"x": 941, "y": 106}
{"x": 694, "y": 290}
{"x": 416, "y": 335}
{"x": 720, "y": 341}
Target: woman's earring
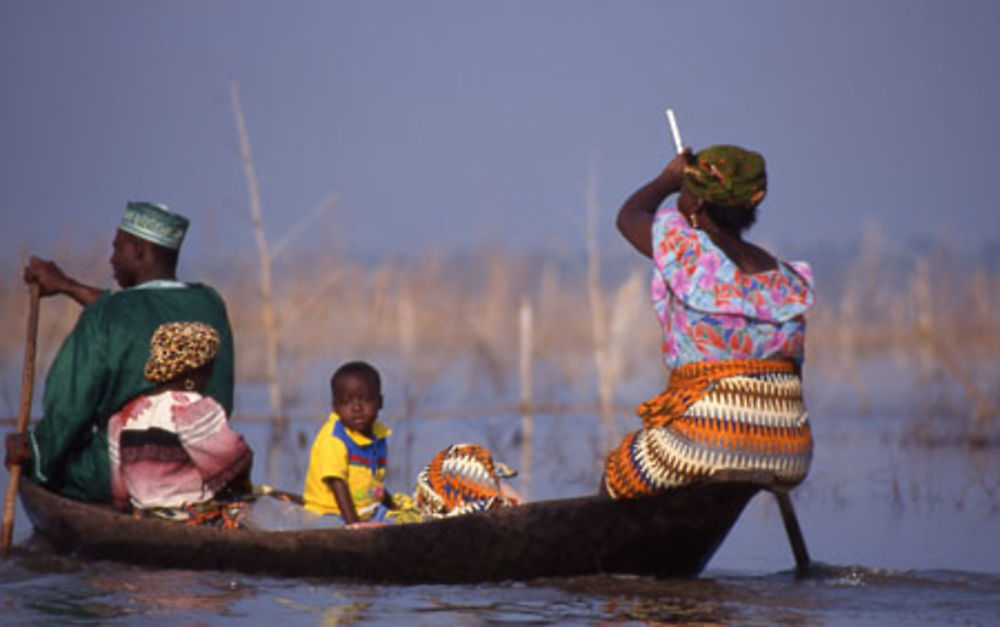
{"x": 694, "y": 220}
{"x": 188, "y": 384}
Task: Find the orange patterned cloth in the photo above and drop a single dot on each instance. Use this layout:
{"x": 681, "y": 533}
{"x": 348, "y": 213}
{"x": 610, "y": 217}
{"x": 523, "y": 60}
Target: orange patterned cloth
{"x": 722, "y": 415}
{"x": 228, "y": 514}
{"x": 461, "y": 479}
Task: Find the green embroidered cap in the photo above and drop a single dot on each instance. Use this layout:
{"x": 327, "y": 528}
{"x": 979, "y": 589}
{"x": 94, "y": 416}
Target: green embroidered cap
{"x": 727, "y": 176}
{"x": 154, "y": 223}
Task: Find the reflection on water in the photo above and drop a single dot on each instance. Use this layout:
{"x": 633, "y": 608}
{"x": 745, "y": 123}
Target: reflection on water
{"x": 40, "y": 583}
{"x": 168, "y": 592}
{"x": 829, "y": 595}
{"x": 920, "y": 522}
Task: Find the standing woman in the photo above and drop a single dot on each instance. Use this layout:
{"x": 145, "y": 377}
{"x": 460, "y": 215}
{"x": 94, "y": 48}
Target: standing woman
{"x": 733, "y": 332}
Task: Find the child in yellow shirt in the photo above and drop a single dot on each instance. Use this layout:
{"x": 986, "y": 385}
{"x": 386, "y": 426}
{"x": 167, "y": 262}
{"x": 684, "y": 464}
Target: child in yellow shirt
{"x": 347, "y": 465}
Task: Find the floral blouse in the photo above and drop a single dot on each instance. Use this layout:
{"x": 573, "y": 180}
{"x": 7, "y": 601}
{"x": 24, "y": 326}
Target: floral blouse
{"x": 711, "y": 311}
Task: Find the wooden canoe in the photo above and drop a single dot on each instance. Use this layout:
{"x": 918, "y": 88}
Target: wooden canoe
{"x": 672, "y": 534}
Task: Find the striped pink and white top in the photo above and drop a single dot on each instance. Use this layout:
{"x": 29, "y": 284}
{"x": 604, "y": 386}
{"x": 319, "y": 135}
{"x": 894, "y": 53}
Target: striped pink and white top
{"x": 172, "y": 449}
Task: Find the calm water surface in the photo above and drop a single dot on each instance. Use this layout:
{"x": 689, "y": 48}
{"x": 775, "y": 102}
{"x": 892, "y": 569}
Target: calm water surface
{"x": 901, "y": 535}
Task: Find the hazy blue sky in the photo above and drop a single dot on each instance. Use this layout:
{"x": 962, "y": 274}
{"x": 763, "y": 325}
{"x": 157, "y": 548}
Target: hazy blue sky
{"x": 449, "y": 125}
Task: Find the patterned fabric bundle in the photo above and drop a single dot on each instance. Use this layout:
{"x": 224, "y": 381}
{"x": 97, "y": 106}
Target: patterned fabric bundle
{"x": 180, "y": 347}
{"x": 722, "y": 415}
{"x": 228, "y": 515}
{"x": 461, "y": 479}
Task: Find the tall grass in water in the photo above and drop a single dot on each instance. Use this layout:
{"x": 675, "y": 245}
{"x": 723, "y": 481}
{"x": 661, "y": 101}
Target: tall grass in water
{"x": 932, "y": 317}
{"x": 450, "y": 331}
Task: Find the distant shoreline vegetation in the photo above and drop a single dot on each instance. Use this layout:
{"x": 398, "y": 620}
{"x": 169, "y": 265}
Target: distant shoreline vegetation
{"x": 934, "y": 312}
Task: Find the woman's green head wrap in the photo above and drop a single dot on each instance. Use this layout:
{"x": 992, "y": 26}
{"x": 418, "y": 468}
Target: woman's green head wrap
{"x": 727, "y": 176}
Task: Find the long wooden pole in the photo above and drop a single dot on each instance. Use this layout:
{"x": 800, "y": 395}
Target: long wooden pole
{"x": 794, "y": 533}
{"x": 527, "y": 395}
{"x": 279, "y": 425}
{"x": 24, "y": 413}
{"x": 598, "y": 319}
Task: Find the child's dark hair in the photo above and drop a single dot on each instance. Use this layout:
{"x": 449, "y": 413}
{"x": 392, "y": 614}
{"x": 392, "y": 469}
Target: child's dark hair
{"x": 359, "y": 368}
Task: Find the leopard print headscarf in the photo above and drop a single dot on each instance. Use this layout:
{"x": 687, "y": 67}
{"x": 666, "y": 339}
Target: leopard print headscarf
{"x": 178, "y": 348}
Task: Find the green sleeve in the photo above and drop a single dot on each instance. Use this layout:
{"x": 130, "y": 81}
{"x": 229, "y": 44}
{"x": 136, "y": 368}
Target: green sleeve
{"x": 73, "y": 389}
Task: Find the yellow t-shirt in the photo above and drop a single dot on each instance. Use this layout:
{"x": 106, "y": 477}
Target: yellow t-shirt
{"x": 343, "y": 453}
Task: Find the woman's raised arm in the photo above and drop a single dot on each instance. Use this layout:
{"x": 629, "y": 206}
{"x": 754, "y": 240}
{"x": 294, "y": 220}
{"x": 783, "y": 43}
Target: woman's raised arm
{"x": 635, "y": 218}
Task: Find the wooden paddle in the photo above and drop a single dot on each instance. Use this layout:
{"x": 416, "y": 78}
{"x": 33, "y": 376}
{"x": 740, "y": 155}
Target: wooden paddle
{"x": 794, "y": 533}
{"x": 24, "y": 413}
{"x": 767, "y": 481}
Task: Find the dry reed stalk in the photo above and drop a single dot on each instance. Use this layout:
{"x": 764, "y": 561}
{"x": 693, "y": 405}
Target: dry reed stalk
{"x": 939, "y": 334}
{"x": 984, "y": 412}
{"x": 380, "y": 282}
{"x": 605, "y": 381}
{"x": 496, "y": 307}
{"x": 922, "y": 305}
{"x": 406, "y": 319}
{"x": 313, "y": 296}
{"x": 407, "y": 325}
{"x": 864, "y": 294}
{"x": 299, "y": 226}
{"x": 527, "y": 396}
{"x": 849, "y": 343}
{"x": 280, "y": 427}
{"x": 628, "y": 305}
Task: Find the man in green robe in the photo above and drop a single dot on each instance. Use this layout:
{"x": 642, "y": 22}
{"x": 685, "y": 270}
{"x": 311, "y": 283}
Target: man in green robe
{"x": 99, "y": 367}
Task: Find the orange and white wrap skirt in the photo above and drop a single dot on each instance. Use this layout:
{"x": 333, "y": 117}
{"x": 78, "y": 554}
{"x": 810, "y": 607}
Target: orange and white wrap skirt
{"x": 714, "y": 416}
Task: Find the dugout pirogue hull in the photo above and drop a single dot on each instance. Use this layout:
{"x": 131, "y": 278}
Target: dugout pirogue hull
{"x": 673, "y": 534}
